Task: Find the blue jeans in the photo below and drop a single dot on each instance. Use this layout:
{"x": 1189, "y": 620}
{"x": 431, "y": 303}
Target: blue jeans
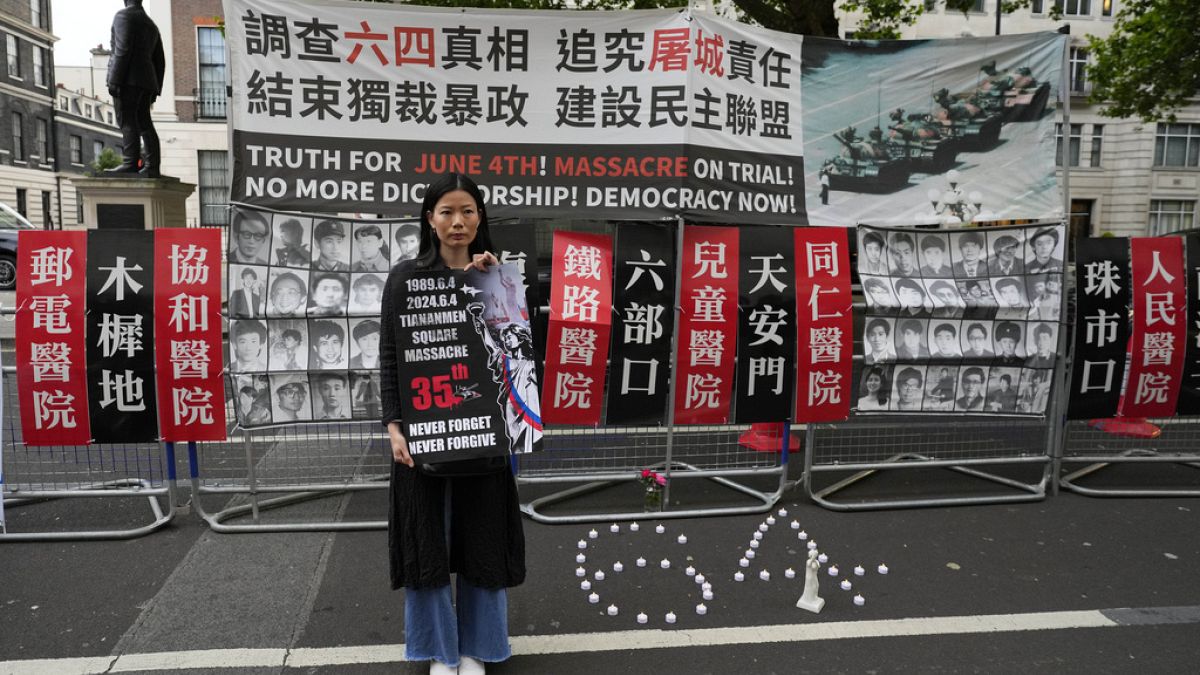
{"x": 435, "y": 628}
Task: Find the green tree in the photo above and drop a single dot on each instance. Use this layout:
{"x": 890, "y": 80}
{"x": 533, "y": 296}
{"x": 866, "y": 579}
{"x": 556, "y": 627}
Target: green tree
{"x": 107, "y": 159}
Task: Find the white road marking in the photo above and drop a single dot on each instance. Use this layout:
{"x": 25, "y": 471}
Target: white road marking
{"x": 573, "y": 643}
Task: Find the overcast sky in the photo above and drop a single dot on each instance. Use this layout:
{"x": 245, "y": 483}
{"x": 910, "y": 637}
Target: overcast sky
{"x": 81, "y": 25}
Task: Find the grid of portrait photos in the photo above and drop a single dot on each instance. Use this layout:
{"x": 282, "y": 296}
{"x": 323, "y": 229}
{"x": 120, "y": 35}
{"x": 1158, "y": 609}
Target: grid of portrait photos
{"x": 304, "y": 294}
{"x": 960, "y": 321}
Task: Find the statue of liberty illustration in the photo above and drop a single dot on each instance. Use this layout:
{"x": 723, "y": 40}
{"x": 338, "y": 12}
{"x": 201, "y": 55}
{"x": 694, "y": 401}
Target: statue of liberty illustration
{"x": 511, "y": 362}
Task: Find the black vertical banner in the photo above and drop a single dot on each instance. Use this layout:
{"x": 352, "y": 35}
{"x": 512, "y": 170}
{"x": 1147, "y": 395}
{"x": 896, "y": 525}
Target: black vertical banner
{"x": 1189, "y": 390}
{"x": 1101, "y": 327}
{"x": 643, "y": 301}
{"x": 766, "y": 349}
{"x": 120, "y": 336}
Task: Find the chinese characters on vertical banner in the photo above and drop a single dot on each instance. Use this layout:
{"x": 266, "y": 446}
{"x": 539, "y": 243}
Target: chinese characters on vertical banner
{"x": 707, "y": 342}
{"x": 824, "y": 321}
{"x": 766, "y": 345}
{"x": 580, "y": 321}
{"x": 1189, "y": 388}
{"x": 1101, "y": 327}
{"x": 187, "y": 313}
{"x": 51, "y": 344}
{"x": 1159, "y": 330}
{"x": 644, "y": 300}
{"x": 120, "y": 336}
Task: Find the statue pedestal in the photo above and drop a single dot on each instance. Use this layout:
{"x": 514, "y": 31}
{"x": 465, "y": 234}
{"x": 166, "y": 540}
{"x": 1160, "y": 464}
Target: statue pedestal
{"x": 133, "y": 203}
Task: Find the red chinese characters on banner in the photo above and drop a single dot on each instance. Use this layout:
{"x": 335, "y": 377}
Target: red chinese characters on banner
{"x": 51, "y": 366}
{"x": 580, "y": 324}
{"x": 187, "y": 323}
{"x": 1159, "y": 327}
{"x": 707, "y": 325}
{"x": 824, "y": 322}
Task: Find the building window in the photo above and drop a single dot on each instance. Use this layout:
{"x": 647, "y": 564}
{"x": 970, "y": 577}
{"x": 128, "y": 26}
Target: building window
{"x": 210, "y": 96}
{"x": 931, "y": 5}
{"x": 1038, "y": 7}
{"x": 1177, "y": 145}
{"x": 214, "y": 188}
{"x": 23, "y": 202}
{"x": 1074, "y": 7}
{"x": 76, "y": 149}
{"x": 977, "y": 7}
{"x": 39, "y": 66}
{"x": 110, "y": 117}
{"x": 97, "y": 149}
{"x": 1078, "y": 154}
{"x": 1171, "y": 215}
{"x": 18, "y": 134}
{"x": 87, "y": 110}
{"x": 62, "y": 103}
{"x": 1106, "y": 7}
{"x": 1078, "y": 66}
{"x": 37, "y": 17}
{"x": 41, "y": 140}
{"x": 14, "y": 57}
{"x": 47, "y": 220}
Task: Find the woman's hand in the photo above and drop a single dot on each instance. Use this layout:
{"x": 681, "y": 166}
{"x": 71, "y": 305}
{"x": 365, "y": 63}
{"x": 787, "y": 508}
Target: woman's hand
{"x": 480, "y": 261}
{"x": 399, "y": 445}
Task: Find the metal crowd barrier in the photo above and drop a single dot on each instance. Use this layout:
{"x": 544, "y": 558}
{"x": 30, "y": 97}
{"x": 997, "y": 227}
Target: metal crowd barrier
{"x": 1152, "y": 465}
{"x": 35, "y": 477}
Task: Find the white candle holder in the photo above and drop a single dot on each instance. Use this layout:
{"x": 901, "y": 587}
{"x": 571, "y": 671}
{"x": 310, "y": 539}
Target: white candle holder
{"x": 795, "y": 524}
{"x": 634, "y": 527}
{"x": 833, "y": 570}
{"x": 580, "y": 572}
{"x": 582, "y": 544}
{"x": 618, "y": 567}
{"x": 641, "y": 562}
{"x": 612, "y": 610}
{"x": 665, "y": 564}
{"x": 690, "y": 571}
{"x": 738, "y": 576}
{"x": 802, "y": 535}
{"x": 859, "y": 571}
{"x": 846, "y": 585}
{"x": 750, "y": 553}
{"x": 659, "y": 529}
{"x": 585, "y": 585}
{"x": 822, "y": 558}
{"x": 754, "y": 543}
{"x": 594, "y": 598}
{"x": 883, "y": 569}
{"x": 670, "y": 617}
{"x": 700, "y": 580}
{"x": 743, "y": 563}
{"x": 642, "y": 618}
{"x": 758, "y": 535}
{"x": 783, "y": 513}
{"x": 701, "y": 609}
{"x": 770, "y": 520}
{"x": 707, "y": 595}
{"x": 860, "y": 600}
{"x": 764, "y": 575}
{"x": 593, "y": 534}
{"x": 614, "y": 528}
{"x": 580, "y": 558}
{"x": 681, "y": 539}
{"x": 763, "y": 527}
{"x": 599, "y": 575}
{"x": 789, "y": 573}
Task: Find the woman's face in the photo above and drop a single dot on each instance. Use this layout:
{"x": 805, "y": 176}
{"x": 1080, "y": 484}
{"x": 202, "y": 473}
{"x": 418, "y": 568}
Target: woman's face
{"x": 873, "y": 383}
{"x": 455, "y": 220}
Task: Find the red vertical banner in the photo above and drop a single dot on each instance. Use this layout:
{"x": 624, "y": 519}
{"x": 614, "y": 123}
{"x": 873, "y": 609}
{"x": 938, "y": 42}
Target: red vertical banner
{"x": 1159, "y": 327}
{"x": 580, "y": 324}
{"x": 187, "y": 323}
{"x": 707, "y": 344}
{"x": 824, "y": 323}
{"x": 51, "y": 340}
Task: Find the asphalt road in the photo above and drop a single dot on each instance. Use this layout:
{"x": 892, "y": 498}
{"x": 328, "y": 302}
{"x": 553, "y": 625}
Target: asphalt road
{"x": 1070, "y": 584}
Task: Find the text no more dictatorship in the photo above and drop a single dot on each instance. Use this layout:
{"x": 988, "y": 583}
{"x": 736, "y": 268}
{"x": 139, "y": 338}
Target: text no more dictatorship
{"x": 673, "y": 198}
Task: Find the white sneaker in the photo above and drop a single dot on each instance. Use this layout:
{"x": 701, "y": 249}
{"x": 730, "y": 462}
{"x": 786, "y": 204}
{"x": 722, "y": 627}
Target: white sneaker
{"x": 470, "y": 666}
{"x": 439, "y": 668}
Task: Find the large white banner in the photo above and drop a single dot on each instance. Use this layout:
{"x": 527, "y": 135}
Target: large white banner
{"x": 633, "y": 115}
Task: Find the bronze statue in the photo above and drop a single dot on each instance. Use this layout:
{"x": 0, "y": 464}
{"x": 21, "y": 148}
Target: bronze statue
{"x": 135, "y": 79}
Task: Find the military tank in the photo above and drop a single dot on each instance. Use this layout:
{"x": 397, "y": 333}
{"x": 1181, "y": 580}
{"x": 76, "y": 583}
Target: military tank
{"x": 865, "y": 164}
{"x": 919, "y": 139}
{"x": 1016, "y": 95}
{"x": 967, "y": 122}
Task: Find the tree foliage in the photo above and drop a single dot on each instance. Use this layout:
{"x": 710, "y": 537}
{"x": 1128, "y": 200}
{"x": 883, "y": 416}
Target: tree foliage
{"x": 1150, "y": 65}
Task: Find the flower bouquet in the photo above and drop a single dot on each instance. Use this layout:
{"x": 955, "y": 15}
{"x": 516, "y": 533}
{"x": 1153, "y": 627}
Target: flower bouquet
{"x": 654, "y": 483}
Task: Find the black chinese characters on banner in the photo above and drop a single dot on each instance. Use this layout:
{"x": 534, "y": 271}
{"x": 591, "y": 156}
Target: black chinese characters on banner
{"x": 1101, "y": 327}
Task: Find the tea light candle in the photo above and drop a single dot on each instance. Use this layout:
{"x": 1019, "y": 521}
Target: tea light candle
{"x": 833, "y": 570}
{"x": 614, "y": 528}
{"x": 593, "y": 534}
{"x": 802, "y": 535}
{"x": 783, "y": 513}
{"x": 701, "y": 609}
{"x": 753, "y": 543}
{"x": 612, "y": 610}
{"x": 763, "y": 527}
{"x": 822, "y": 558}
{"x": 708, "y": 595}
{"x": 599, "y": 575}
{"x": 846, "y": 585}
{"x": 665, "y": 564}
{"x": 812, "y": 544}
{"x": 660, "y": 529}
{"x": 682, "y": 539}
{"x": 580, "y": 572}
{"x": 860, "y": 600}
{"x": 670, "y": 617}
{"x": 642, "y": 618}
{"x": 750, "y": 554}
{"x": 700, "y": 580}
{"x": 690, "y": 571}
{"x": 585, "y": 585}
{"x": 758, "y": 535}
{"x": 582, "y": 544}
{"x": 764, "y": 575}
{"x": 641, "y": 562}
{"x": 743, "y": 563}
{"x": 581, "y": 558}
{"x": 634, "y": 527}
{"x": 705, "y": 586}
{"x": 859, "y": 571}
{"x": 594, "y": 598}
{"x": 738, "y": 576}
{"x": 795, "y": 524}
{"x": 770, "y": 520}
{"x": 789, "y": 573}
{"x": 883, "y": 569}
{"x": 618, "y": 567}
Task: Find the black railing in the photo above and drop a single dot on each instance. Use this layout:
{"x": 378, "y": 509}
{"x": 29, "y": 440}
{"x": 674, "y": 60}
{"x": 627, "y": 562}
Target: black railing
{"x": 211, "y": 102}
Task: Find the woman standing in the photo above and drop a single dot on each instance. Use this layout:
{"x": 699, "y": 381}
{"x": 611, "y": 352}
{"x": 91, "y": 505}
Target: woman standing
{"x": 469, "y": 526}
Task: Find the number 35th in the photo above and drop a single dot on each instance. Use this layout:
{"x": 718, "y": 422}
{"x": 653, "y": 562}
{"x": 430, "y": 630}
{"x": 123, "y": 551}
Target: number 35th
{"x": 435, "y": 391}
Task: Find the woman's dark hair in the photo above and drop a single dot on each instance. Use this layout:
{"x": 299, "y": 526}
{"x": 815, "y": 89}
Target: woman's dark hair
{"x": 429, "y": 252}
{"x": 884, "y": 385}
